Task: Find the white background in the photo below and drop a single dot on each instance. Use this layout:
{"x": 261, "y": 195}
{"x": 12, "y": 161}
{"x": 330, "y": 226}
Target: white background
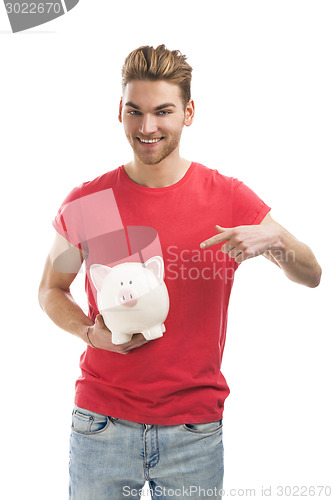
{"x": 262, "y": 85}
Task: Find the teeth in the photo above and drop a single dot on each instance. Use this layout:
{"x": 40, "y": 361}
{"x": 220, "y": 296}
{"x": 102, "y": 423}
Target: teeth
{"x": 150, "y": 141}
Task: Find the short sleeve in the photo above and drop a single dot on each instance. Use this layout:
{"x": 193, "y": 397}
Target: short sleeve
{"x": 247, "y": 208}
{"x": 87, "y": 214}
{"x": 68, "y": 221}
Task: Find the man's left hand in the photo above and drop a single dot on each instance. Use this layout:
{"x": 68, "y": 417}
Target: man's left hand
{"x": 244, "y": 242}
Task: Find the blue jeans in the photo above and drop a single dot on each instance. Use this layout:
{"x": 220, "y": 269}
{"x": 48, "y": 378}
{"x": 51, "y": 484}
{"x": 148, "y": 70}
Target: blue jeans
{"x": 111, "y": 459}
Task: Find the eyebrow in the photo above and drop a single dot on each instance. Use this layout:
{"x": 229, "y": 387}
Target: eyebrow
{"x": 161, "y": 106}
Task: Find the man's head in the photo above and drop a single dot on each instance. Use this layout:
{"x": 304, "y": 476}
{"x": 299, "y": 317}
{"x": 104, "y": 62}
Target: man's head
{"x": 147, "y": 63}
{"x": 156, "y": 102}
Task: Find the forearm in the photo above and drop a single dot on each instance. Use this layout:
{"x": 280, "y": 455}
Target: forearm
{"x": 60, "y": 306}
{"x": 295, "y": 258}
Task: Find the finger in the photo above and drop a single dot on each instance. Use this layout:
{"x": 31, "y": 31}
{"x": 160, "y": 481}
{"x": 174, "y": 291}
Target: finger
{"x": 100, "y": 323}
{"x": 230, "y": 250}
{"x": 139, "y": 344}
{"x": 240, "y": 258}
{"x": 234, "y": 253}
{"x": 99, "y": 319}
{"x": 243, "y": 256}
{"x": 134, "y": 338}
{"x": 137, "y": 340}
{"x": 224, "y": 235}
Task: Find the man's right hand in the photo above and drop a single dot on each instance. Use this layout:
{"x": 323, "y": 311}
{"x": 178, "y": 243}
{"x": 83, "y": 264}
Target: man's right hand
{"x": 61, "y": 267}
{"x": 101, "y": 338}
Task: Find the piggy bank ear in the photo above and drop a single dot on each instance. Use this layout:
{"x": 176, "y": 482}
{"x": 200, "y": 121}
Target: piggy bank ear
{"x": 156, "y": 265}
{"x": 97, "y": 274}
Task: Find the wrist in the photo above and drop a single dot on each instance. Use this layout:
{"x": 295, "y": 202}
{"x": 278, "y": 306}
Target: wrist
{"x": 88, "y": 337}
{"x": 282, "y": 245}
{"x": 83, "y": 332}
{"x": 277, "y": 238}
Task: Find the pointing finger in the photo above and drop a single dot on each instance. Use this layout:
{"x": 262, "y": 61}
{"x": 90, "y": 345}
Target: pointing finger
{"x": 218, "y": 238}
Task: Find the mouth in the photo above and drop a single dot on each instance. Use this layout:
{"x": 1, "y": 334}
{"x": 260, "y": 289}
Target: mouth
{"x": 150, "y": 142}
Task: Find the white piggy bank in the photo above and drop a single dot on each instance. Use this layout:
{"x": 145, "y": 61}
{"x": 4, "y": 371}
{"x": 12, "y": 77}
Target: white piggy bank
{"x": 132, "y": 298}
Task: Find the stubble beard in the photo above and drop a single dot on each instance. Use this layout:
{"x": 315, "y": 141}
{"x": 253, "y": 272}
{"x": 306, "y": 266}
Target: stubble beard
{"x": 151, "y": 158}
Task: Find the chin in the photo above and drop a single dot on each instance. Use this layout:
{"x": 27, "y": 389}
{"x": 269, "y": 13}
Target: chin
{"x": 152, "y": 161}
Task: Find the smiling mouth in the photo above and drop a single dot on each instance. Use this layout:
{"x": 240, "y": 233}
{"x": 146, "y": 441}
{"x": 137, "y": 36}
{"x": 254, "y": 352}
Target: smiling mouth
{"x": 150, "y": 141}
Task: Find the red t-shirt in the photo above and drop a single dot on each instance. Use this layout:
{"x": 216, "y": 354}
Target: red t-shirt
{"x": 174, "y": 379}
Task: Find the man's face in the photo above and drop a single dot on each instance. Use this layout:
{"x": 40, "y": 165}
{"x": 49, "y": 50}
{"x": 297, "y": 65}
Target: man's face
{"x": 153, "y": 110}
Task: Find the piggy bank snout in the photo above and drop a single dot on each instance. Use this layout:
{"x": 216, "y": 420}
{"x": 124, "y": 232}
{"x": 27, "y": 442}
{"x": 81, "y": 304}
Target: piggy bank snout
{"x": 127, "y": 296}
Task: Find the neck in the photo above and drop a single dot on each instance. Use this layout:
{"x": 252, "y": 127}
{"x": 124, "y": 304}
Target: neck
{"x": 163, "y": 174}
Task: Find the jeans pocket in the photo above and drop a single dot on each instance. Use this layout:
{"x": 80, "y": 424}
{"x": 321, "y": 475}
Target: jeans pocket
{"x": 87, "y": 422}
{"x": 205, "y": 428}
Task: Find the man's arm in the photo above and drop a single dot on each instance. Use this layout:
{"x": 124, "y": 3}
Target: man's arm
{"x": 295, "y": 258}
{"x": 274, "y": 242}
{"x": 62, "y": 266}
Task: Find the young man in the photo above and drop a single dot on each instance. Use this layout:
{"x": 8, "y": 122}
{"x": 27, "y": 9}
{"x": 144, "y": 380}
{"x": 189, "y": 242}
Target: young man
{"x": 156, "y": 413}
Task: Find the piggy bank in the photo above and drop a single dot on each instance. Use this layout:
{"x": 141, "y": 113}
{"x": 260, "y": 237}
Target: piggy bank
{"x": 132, "y": 298}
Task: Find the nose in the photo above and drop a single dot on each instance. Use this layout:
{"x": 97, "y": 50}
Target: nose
{"x": 148, "y": 125}
{"x": 127, "y": 297}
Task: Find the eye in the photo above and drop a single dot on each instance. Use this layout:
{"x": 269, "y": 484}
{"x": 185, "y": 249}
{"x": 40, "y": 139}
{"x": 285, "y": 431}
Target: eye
{"x": 134, "y": 112}
{"x": 121, "y": 283}
{"x": 163, "y": 113}
{"x": 130, "y": 282}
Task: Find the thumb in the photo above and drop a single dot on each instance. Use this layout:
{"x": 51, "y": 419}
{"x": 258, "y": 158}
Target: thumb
{"x": 99, "y": 319}
{"x": 100, "y": 323}
{"x": 221, "y": 229}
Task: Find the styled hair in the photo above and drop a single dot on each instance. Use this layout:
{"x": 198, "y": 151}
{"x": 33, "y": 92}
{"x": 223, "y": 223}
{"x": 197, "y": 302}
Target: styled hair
{"x": 147, "y": 63}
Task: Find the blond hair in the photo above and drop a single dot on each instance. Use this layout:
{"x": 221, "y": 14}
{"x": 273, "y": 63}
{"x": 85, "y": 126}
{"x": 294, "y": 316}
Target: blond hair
{"x": 147, "y": 63}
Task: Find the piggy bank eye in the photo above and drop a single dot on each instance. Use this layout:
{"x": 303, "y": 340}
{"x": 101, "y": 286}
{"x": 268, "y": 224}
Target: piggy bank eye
{"x": 130, "y": 282}
{"x": 121, "y": 283}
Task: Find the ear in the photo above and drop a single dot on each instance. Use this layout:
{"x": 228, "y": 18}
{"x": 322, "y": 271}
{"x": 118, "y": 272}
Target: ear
{"x": 156, "y": 265}
{"x": 98, "y": 274}
{"x": 189, "y": 113}
{"x": 120, "y": 110}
